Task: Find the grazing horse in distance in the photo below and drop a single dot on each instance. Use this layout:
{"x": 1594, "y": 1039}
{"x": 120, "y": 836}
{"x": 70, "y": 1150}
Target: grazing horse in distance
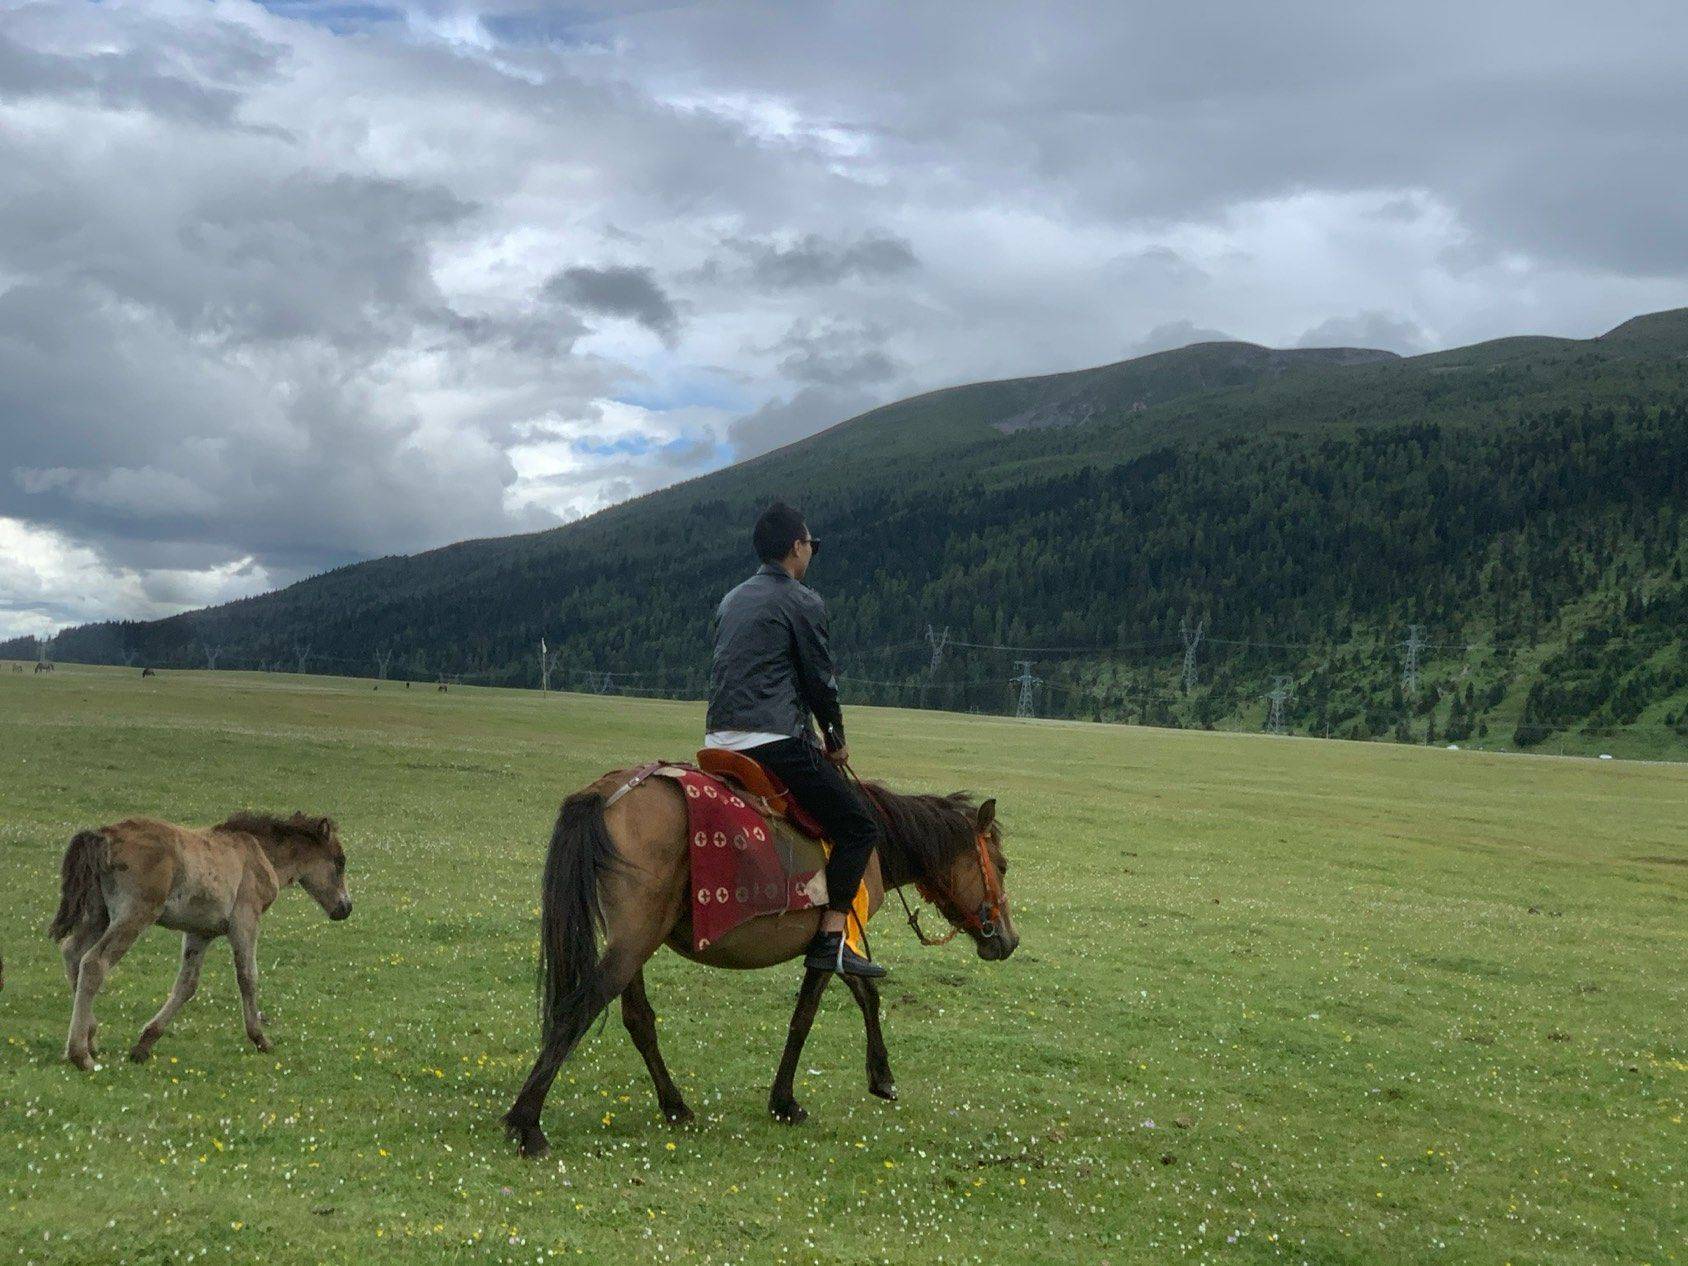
{"x": 620, "y": 860}
{"x": 118, "y": 881}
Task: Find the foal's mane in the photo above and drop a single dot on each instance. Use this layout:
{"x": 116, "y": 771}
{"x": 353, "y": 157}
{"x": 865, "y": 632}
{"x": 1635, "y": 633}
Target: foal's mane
{"x": 269, "y": 824}
{"x": 925, "y": 833}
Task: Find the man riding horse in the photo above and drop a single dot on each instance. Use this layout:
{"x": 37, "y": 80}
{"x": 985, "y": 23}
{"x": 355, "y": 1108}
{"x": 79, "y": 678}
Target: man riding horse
{"x": 772, "y": 678}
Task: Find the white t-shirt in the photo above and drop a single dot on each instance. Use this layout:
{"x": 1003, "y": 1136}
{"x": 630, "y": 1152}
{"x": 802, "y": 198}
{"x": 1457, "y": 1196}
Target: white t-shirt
{"x": 739, "y": 740}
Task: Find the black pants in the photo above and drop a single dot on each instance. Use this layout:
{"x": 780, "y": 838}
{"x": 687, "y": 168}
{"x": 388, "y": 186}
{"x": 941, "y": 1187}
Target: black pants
{"x": 821, "y": 789}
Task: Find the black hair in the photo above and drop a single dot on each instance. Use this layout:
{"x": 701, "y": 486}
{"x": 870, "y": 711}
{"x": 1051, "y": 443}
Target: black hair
{"x": 777, "y": 531}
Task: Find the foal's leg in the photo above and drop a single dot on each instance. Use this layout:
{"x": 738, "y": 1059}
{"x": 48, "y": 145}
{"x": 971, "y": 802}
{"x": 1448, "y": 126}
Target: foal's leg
{"x": 781, "y": 1102}
{"x": 243, "y": 939}
{"x": 879, "y": 1079}
{"x": 137, "y": 916}
{"x": 640, "y": 1019}
{"x": 73, "y": 947}
{"x": 187, "y": 980}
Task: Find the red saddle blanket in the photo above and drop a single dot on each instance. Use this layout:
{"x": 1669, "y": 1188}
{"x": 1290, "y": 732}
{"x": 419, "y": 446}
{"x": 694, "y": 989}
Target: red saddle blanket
{"x": 740, "y": 866}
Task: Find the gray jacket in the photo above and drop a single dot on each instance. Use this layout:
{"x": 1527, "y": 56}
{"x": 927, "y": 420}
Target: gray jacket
{"x": 773, "y": 667}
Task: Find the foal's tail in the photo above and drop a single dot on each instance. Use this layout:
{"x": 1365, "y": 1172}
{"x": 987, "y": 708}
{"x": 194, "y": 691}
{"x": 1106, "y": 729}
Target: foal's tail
{"x": 571, "y": 914}
{"x": 80, "y": 898}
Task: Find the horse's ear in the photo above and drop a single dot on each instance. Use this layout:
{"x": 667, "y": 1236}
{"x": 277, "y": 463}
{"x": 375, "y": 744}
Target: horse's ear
{"x": 987, "y": 814}
{"x": 325, "y": 829}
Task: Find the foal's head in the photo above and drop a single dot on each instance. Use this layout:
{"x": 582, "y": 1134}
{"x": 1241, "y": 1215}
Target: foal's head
{"x": 305, "y": 849}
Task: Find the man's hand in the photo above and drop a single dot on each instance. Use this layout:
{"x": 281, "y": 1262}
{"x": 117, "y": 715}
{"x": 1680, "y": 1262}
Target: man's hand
{"x": 839, "y": 755}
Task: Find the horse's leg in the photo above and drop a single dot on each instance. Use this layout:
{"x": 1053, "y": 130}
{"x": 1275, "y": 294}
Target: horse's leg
{"x": 136, "y": 917}
{"x": 879, "y": 1079}
{"x": 640, "y": 1019}
{"x": 243, "y": 939}
{"x": 780, "y": 1099}
{"x": 616, "y": 969}
{"x": 187, "y": 980}
{"x": 642, "y": 897}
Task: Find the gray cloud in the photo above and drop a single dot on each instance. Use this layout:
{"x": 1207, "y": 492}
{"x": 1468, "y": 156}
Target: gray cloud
{"x": 1170, "y": 335}
{"x": 1367, "y": 329}
{"x": 783, "y": 420}
{"x": 618, "y": 291}
{"x": 815, "y": 261}
{"x": 189, "y": 76}
{"x": 836, "y": 354}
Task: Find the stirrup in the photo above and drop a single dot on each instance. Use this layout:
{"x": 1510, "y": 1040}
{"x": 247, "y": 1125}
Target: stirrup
{"x": 840, "y": 958}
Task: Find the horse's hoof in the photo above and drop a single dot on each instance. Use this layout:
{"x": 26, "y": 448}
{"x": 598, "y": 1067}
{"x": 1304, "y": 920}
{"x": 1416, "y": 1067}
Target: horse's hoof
{"x": 789, "y": 1113}
{"x": 140, "y": 1054}
{"x": 529, "y": 1139}
{"x": 681, "y": 1115}
{"x": 532, "y": 1143}
{"x": 82, "y": 1059}
{"x": 885, "y": 1090}
{"x": 262, "y": 1043}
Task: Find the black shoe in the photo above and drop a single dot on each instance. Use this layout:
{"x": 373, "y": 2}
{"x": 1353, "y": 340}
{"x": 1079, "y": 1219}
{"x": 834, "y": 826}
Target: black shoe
{"x": 830, "y": 952}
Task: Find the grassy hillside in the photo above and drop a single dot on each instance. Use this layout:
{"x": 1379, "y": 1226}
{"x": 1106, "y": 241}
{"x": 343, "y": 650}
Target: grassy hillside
{"x": 1304, "y": 508}
{"x": 1276, "y": 1000}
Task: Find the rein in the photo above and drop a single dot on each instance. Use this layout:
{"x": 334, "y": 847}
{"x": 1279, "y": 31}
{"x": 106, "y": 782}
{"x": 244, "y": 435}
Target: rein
{"x": 982, "y": 923}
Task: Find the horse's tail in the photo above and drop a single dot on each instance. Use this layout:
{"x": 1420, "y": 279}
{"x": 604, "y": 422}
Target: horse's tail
{"x": 80, "y": 898}
{"x": 571, "y": 914}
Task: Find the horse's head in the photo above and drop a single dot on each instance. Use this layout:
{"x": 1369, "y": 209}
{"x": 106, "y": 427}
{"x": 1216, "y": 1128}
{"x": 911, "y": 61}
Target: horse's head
{"x": 320, "y": 863}
{"x": 975, "y": 886}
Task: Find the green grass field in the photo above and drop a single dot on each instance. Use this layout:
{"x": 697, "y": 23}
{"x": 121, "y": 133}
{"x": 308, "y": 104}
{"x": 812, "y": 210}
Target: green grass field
{"x": 1276, "y": 1000}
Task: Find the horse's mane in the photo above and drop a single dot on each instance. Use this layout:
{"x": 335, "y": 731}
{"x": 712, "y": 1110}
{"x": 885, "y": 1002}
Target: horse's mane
{"x": 925, "y": 833}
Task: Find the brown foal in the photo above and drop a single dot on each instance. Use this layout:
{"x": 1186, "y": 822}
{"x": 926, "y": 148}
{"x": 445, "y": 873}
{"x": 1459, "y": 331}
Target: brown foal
{"x": 625, "y": 867}
{"x": 118, "y": 881}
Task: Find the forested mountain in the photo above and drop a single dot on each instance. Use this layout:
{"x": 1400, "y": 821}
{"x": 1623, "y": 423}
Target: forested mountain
{"x": 1519, "y": 502}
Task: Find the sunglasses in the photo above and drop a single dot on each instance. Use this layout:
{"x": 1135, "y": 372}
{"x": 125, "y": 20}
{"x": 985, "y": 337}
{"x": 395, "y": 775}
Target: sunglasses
{"x": 814, "y": 544}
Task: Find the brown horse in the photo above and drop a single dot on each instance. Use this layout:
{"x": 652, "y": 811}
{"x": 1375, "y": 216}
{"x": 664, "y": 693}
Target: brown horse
{"x": 118, "y": 881}
{"x": 621, "y": 864}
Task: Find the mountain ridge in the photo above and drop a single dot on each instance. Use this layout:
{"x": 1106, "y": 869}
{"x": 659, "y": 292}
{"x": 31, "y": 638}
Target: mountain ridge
{"x": 1225, "y": 499}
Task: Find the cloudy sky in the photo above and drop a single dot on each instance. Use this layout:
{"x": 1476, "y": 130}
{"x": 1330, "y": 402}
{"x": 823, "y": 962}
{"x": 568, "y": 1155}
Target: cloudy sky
{"x": 285, "y": 285}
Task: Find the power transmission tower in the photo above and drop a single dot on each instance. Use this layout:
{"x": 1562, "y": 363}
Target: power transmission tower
{"x": 382, "y": 659}
{"x": 1279, "y": 693}
{"x": 1192, "y": 639}
{"x": 41, "y": 645}
{"x": 304, "y": 653}
{"x": 548, "y": 661}
{"x": 1027, "y": 684}
{"x": 937, "y": 641}
{"x": 606, "y": 682}
{"x": 211, "y": 653}
{"x": 1409, "y": 669}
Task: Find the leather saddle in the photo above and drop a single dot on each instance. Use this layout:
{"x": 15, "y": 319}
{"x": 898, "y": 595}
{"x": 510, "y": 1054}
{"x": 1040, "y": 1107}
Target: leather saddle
{"x": 749, "y": 775}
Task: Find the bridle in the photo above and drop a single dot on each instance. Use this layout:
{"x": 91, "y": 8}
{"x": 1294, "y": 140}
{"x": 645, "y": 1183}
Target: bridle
{"x": 982, "y": 923}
